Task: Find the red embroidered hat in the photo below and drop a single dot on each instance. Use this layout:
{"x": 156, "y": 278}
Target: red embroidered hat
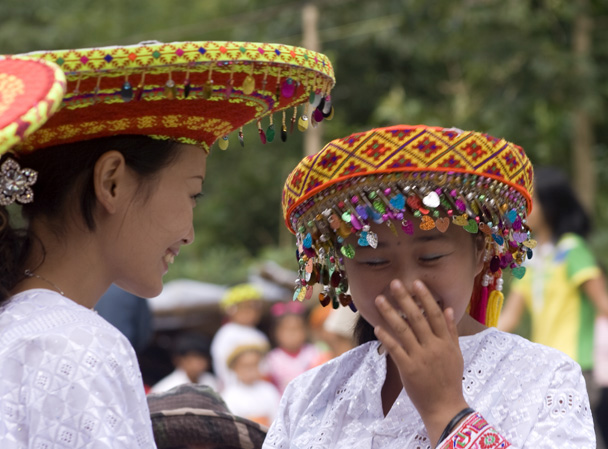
{"x": 192, "y": 92}
{"x": 406, "y": 176}
{"x": 30, "y": 92}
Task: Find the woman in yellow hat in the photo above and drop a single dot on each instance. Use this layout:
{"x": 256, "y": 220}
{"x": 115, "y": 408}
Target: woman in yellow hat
{"x": 107, "y": 188}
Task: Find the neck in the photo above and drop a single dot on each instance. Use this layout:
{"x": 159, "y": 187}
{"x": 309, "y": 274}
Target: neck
{"x": 392, "y": 385}
{"x": 69, "y": 268}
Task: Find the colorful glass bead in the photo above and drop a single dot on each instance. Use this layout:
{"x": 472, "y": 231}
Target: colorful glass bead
{"x": 223, "y": 143}
{"x": 317, "y": 115}
{"x": 126, "y": 92}
{"x": 186, "y": 88}
{"x": 303, "y": 123}
{"x": 372, "y": 239}
{"x": 229, "y": 88}
{"x": 262, "y": 135}
{"x": 324, "y": 299}
{"x": 170, "y": 89}
{"x": 208, "y": 90}
{"x": 431, "y": 200}
{"x": 270, "y": 133}
{"x": 283, "y": 133}
{"x": 348, "y": 251}
{"x": 398, "y": 201}
{"x": 248, "y": 85}
{"x": 288, "y": 88}
{"x": 363, "y": 239}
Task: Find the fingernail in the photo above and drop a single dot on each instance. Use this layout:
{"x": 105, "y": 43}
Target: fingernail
{"x": 450, "y": 313}
{"x": 397, "y": 284}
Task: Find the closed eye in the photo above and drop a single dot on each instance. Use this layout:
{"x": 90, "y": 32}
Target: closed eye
{"x": 374, "y": 262}
{"x": 431, "y": 257}
{"x": 197, "y": 197}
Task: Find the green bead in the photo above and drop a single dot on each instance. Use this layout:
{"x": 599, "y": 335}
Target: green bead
{"x": 270, "y": 133}
{"x": 379, "y": 206}
{"x": 348, "y": 251}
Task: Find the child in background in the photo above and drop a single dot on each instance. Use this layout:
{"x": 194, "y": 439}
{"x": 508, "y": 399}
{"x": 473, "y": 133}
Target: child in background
{"x": 243, "y": 307}
{"x": 417, "y": 224}
{"x": 293, "y": 354}
{"x": 564, "y": 289}
{"x": 250, "y": 396}
{"x": 192, "y": 362}
{"x": 316, "y": 321}
{"x": 338, "y": 331}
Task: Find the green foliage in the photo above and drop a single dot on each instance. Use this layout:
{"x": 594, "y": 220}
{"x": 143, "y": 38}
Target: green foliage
{"x": 502, "y": 66}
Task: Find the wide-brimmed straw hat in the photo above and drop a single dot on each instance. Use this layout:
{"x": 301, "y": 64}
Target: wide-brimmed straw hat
{"x": 406, "y": 176}
{"x": 192, "y": 92}
{"x": 196, "y": 415}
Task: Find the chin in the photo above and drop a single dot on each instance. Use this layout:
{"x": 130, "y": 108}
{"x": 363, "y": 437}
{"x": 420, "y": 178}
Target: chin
{"x": 142, "y": 290}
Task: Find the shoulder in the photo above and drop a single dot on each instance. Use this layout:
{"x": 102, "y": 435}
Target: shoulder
{"x": 44, "y": 322}
{"x": 337, "y": 370}
{"x": 513, "y": 351}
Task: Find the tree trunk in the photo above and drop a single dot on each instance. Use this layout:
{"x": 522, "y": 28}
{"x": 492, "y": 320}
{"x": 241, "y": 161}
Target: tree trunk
{"x": 585, "y": 175}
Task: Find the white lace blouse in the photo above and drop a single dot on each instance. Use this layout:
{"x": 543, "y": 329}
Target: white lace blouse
{"x": 68, "y": 379}
{"x": 532, "y": 396}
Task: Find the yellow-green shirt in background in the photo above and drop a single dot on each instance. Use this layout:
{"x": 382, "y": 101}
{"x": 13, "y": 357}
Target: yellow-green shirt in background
{"x": 561, "y": 314}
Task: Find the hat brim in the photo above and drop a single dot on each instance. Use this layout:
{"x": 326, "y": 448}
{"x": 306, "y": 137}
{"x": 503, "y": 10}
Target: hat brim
{"x": 173, "y": 428}
{"x": 192, "y": 92}
{"x": 30, "y": 92}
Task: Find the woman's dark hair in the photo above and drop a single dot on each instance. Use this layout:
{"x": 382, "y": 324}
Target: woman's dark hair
{"x": 364, "y": 331}
{"x": 65, "y": 175}
{"x": 562, "y": 210}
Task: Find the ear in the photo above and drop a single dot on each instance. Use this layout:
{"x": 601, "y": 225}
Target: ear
{"x": 109, "y": 175}
{"x": 480, "y": 252}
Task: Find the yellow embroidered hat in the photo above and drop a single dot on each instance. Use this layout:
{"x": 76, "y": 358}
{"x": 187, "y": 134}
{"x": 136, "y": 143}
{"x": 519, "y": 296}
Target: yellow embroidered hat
{"x": 406, "y": 176}
{"x": 241, "y": 293}
{"x": 192, "y": 92}
{"x": 30, "y": 92}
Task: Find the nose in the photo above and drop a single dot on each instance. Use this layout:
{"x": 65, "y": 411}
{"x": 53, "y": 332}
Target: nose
{"x": 189, "y": 238}
{"x": 407, "y": 276}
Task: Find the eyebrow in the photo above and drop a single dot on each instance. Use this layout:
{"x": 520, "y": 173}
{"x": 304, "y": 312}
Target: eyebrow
{"x": 202, "y": 178}
{"x": 429, "y": 238}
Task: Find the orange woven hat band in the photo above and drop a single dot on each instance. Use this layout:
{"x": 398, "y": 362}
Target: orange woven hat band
{"x": 405, "y": 177}
{"x": 407, "y": 149}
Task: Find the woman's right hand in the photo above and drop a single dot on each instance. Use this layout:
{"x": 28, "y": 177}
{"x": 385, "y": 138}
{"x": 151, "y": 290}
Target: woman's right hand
{"x": 425, "y": 348}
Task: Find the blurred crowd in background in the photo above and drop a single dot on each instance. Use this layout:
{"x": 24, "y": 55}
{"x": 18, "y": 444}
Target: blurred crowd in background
{"x": 242, "y": 341}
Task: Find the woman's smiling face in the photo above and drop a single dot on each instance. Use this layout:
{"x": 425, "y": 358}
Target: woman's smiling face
{"x": 447, "y": 263}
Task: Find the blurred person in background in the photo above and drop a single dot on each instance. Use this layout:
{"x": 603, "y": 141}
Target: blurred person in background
{"x": 316, "y": 320}
{"x": 293, "y": 353}
{"x": 243, "y": 308}
{"x": 338, "y": 330}
{"x": 128, "y": 313}
{"x": 192, "y": 360}
{"x": 564, "y": 288}
{"x": 250, "y": 396}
